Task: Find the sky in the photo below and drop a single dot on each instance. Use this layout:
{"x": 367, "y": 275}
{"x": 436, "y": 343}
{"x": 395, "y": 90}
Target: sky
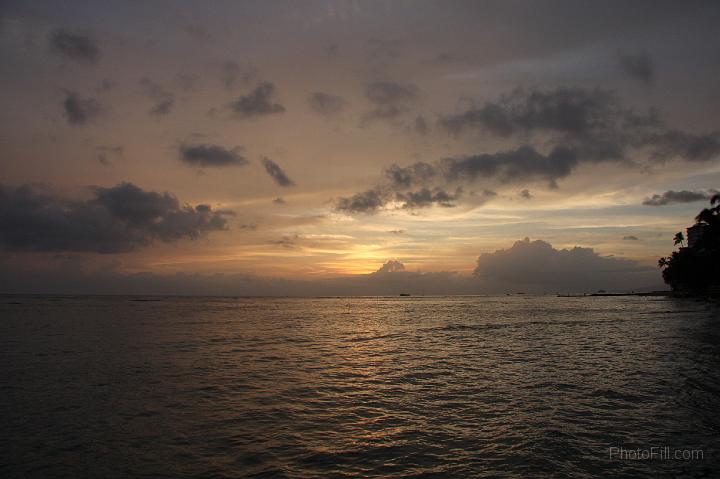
{"x": 352, "y": 147}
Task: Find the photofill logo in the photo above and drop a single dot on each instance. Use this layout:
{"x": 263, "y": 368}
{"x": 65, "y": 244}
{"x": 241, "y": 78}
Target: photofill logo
{"x": 656, "y": 453}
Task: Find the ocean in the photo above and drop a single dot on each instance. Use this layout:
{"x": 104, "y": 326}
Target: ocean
{"x": 415, "y": 387}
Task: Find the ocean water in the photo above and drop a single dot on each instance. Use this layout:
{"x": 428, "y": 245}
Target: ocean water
{"x": 512, "y": 386}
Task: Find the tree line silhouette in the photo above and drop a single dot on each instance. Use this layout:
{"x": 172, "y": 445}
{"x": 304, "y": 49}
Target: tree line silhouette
{"x": 695, "y": 268}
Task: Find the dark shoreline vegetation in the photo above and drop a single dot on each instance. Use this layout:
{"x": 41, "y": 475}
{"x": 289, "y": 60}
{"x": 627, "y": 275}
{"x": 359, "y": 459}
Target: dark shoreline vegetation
{"x": 694, "y": 270}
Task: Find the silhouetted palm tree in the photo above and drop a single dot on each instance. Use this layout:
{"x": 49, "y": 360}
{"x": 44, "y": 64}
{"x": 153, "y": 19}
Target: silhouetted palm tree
{"x": 710, "y": 216}
{"x": 696, "y": 269}
{"x": 679, "y": 238}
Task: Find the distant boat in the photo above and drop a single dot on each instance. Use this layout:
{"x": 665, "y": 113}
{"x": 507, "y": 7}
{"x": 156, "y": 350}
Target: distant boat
{"x": 404, "y": 294}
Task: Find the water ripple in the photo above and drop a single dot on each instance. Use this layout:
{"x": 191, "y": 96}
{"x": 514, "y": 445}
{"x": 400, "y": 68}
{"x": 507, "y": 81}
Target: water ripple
{"x": 366, "y": 387}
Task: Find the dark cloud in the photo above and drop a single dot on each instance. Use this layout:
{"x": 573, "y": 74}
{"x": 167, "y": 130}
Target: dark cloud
{"x": 416, "y": 174}
{"x": 384, "y": 93}
{"x": 163, "y": 107}
{"x": 235, "y": 74}
{"x": 287, "y": 241}
{"x": 684, "y": 196}
{"x": 538, "y": 267}
{"x": 74, "y": 46}
{"x": 639, "y": 66}
{"x": 279, "y": 201}
{"x": 209, "y": 156}
{"x": 258, "y": 103}
{"x": 373, "y": 200}
{"x": 368, "y": 202}
{"x": 106, "y": 154}
{"x": 679, "y": 144}
{"x": 518, "y": 165}
{"x": 593, "y": 123}
{"x": 117, "y": 219}
{"x": 276, "y": 173}
{"x": 80, "y": 111}
{"x": 630, "y": 238}
{"x": 402, "y": 182}
{"x": 576, "y": 112}
{"x": 420, "y": 126}
{"x": 560, "y": 130}
{"x": 326, "y": 104}
{"x": 164, "y": 99}
{"x": 525, "y": 194}
{"x": 426, "y": 197}
{"x": 390, "y": 99}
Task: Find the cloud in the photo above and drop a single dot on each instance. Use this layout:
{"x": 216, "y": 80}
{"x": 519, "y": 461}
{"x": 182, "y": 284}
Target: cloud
{"x": 518, "y": 165}
{"x": 639, "y": 66}
{"x": 630, "y": 238}
{"x": 326, "y": 104}
{"x": 105, "y": 154}
{"x": 369, "y": 201}
{"x": 258, "y": 103}
{"x": 416, "y": 174}
{"x": 512, "y": 166}
{"x": 420, "y": 126}
{"x": 80, "y": 111}
{"x": 538, "y": 267}
{"x": 679, "y": 144}
{"x": 74, "y": 46}
{"x": 114, "y": 220}
{"x": 390, "y": 99}
{"x": 559, "y": 130}
{"x": 210, "y": 156}
{"x": 385, "y": 93}
{"x": 65, "y": 276}
{"x": 576, "y": 112}
{"x": 425, "y": 197}
{"x": 287, "y": 241}
{"x": 592, "y": 122}
{"x": 276, "y": 173}
{"x": 235, "y": 74}
{"x": 164, "y": 99}
{"x": 684, "y": 196}
{"x": 525, "y": 194}
{"x": 533, "y": 267}
{"x": 373, "y": 200}
{"x": 279, "y": 201}
{"x": 391, "y": 266}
